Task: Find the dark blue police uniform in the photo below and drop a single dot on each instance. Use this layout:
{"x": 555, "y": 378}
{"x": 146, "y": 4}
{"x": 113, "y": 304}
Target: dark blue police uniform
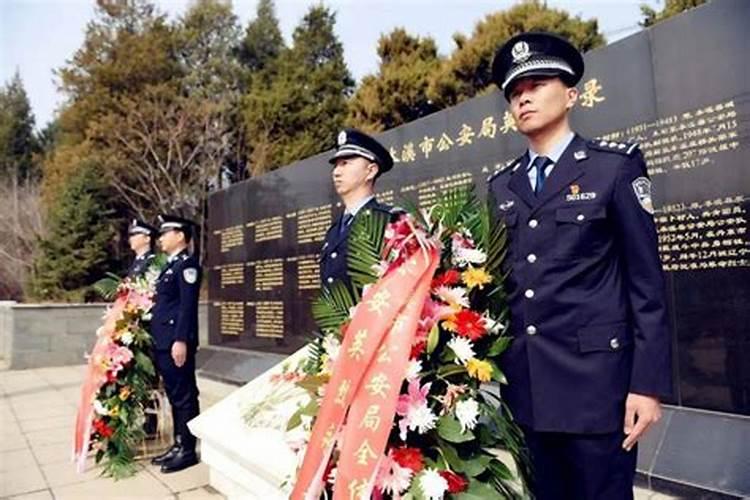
{"x": 333, "y": 254}
{"x": 175, "y": 318}
{"x": 586, "y": 294}
{"x": 140, "y": 264}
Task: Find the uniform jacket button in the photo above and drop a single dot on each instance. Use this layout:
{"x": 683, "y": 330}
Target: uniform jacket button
{"x": 329, "y": 280}
{"x": 533, "y": 223}
{"x": 334, "y": 255}
{"x": 614, "y": 344}
{"x": 580, "y": 217}
{"x": 531, "y": 258}
{"x": 531, "y": 330}
{"x": 529, "y": 293}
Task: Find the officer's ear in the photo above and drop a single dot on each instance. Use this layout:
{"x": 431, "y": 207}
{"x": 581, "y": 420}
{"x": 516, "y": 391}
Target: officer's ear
{"x": 374, "y": 171}
{"x": 572, "y": 96}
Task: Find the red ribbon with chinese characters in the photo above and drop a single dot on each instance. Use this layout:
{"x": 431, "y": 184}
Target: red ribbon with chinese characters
{"x": 378, "y": 339}
{"x": 96, "y": 376}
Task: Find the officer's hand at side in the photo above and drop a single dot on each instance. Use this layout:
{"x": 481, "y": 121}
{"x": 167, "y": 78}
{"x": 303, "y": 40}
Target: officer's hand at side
{"x": 179, "y": 353}
{"x": 640, "y": 413}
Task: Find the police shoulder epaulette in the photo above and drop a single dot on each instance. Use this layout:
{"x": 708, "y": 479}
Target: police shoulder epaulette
{"x": 623, "y": 148}
{"x": 508, "y": 167}
{"x": 380, "y": 208}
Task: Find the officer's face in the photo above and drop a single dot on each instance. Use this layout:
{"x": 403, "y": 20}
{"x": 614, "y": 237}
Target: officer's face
{"x": 138, "y": 241}
{"x": 169, "y": 241}
{"x": 538, "y": 103}
{"x": 350, "y": 174}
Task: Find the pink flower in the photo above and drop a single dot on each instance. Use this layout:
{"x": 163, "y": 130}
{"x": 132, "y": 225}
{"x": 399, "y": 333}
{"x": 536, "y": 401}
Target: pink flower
{"x": 415, "y": 396}
{"x": 391, "y": 477}
{"x": 459, "y": 241}
{"x": 116, "y": 357}
{"x": 413, "y": 407}
{"x": 432, "y": 312}
{"x": 142, "y": 301}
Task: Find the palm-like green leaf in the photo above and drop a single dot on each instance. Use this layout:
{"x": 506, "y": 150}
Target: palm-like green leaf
{"x": 412, "y": 208}
{"x": 365, "y": 247}
{"x": 331, "y": 309}
{"x": 451, "y": 206}
{"x": 107, "y": 287}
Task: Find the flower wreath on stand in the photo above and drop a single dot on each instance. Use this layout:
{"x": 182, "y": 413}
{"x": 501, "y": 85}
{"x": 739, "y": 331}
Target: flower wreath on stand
{"x": 400, "y": 406}
{"x": 120, "y": 377}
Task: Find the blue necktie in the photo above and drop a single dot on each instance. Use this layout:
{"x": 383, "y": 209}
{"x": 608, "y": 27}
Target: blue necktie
{"x": 540, "y": 163}
{"x": 345, "y": 220}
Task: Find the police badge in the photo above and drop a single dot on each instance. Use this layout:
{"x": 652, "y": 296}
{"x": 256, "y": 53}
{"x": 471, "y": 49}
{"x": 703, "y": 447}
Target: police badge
{"x": 342, "y": 138}
{"x": 520, "y": 52}
{"x": 190, "y": 274}
{"x": 642, "y": 188}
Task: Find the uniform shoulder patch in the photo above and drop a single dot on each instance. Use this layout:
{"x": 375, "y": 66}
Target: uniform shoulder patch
{"x": 190, "y": 275}
{"x": 642, "y": 189}
{"x": 508, "y": 167}
{"x": 623, "y": 148}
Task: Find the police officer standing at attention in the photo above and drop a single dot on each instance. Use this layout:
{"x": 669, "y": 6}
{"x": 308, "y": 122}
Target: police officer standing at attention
{"x": 174, "y": 327}
{"x": 141, "y": 239}
{"x": 358, "y": 161}
{"x": 590, "y": 356}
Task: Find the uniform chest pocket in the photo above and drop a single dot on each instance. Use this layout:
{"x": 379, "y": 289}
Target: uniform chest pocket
{"x": 581, "y": 231}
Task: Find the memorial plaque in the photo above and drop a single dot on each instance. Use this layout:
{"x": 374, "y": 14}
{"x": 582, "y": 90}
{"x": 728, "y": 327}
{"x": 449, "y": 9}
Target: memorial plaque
{"x": 680, "y": 89}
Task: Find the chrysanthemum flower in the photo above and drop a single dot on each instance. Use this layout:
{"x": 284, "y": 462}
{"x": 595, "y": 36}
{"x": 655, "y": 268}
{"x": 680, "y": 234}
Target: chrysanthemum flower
{"x": 476, "y": 277}
{"x": 480, "y": 370}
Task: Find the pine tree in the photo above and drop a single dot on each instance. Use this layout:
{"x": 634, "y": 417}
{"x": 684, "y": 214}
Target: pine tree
{"x": 263, "y": 42}
{"x": 17, "y": 140}
{"x": 397, "y": 93}
{"x": 74, "y": 253}
{"x": 467, "y": 72}
{"x": 297, "y": 110}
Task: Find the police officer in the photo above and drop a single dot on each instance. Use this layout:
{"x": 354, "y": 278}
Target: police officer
{"x": 174, "y": 327}
{"x": 591, "y": 351}
{"x": 141, "y": 238}
{"x": 358, "y": 161}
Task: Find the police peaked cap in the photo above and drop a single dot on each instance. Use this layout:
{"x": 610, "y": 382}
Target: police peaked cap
{"x": 352, "y": 142}
{"x": 137, "y": 226}
{"x": 536, "y": 54}
{"x": 175, "y": 223}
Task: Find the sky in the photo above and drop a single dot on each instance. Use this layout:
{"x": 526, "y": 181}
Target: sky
{"x": 39, "y": 36}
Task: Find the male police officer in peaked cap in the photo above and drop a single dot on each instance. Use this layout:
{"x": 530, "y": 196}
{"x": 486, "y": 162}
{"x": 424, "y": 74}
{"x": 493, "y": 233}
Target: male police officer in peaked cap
{"x": 174, "y": 327}
{"x": 591, "y": 351}
{"x": 141, "y": 236}
{"x": 141, "y": 239}
{"x": 358, "y": 161}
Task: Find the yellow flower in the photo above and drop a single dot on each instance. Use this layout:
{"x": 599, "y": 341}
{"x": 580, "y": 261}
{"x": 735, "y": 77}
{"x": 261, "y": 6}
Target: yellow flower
{"x": 124, "y": 393}
{"x": 114, "y": 412}
{"x": 450, "y": 323}
{"x": 476, "y": 277}
{"x": 480, "y": 370}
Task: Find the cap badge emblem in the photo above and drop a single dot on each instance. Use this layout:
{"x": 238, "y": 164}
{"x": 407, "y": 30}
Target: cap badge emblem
{"x": 520, "y": 52}
{"x": 342, "y": 138}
